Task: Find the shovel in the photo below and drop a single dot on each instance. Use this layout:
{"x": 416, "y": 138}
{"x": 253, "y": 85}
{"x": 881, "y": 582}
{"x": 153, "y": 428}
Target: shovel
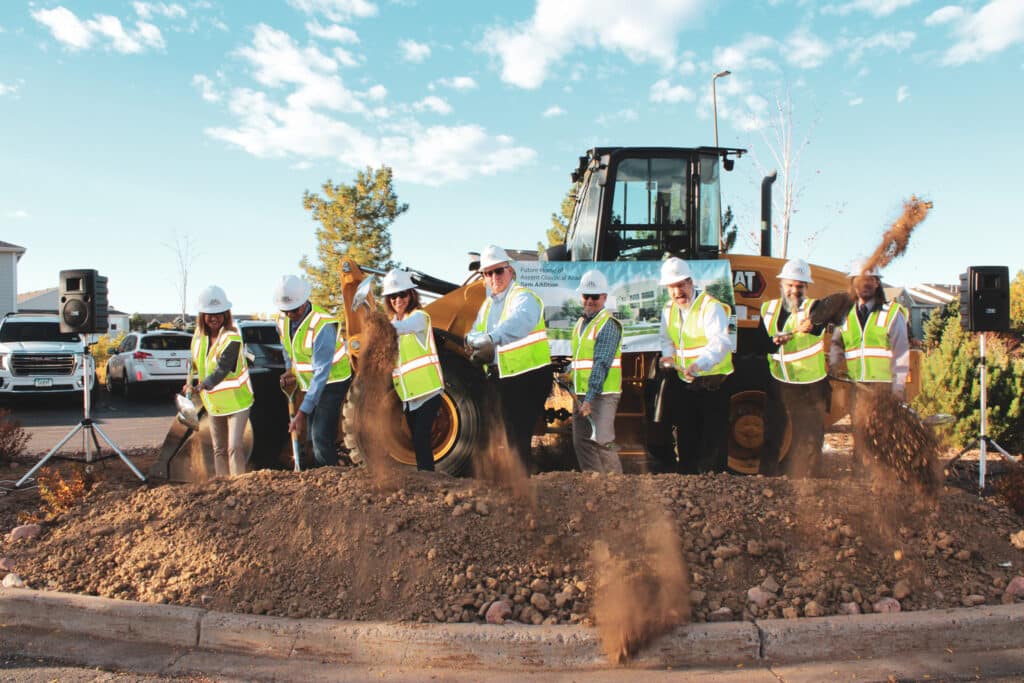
{"x": 362, "y": 293}
{"x": 576, "y": 404}
{"x": 187, "y": 413}
{"x": 296, "y": 448}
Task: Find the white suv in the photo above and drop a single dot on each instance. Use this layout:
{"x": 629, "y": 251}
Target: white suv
{"x": 149, "y": 360}
{"x": 37, "y": 358}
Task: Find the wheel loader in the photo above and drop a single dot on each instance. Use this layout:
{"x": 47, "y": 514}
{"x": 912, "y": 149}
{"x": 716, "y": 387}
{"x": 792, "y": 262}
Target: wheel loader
{"x": 633, "y": 204}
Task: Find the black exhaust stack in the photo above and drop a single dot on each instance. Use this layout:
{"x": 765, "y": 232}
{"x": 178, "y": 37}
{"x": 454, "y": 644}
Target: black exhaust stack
{"x": 766, "y": 213}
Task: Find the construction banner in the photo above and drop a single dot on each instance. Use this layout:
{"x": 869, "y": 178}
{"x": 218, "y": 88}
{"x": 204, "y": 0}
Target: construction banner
{"x": 634, "y": 296}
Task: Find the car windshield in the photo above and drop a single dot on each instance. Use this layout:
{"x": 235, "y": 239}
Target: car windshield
{"x": 166, "y": 342}
{"x": 260, "y": 334}
{"x": 24, "y": 331}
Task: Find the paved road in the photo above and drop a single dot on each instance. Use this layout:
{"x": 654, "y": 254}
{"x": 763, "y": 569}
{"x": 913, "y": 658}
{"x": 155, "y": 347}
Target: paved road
{"x": 138, "y": 423}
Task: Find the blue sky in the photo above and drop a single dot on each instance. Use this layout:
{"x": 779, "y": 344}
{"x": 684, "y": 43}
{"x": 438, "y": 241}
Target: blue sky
{"x": 125, "y": 123}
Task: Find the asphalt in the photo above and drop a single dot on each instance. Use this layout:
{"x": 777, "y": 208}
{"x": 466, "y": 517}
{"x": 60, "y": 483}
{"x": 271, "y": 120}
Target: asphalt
{"x": 180, "y": 639}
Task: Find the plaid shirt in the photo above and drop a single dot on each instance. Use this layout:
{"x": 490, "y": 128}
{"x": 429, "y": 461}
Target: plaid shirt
{"x": 604, "y": 353}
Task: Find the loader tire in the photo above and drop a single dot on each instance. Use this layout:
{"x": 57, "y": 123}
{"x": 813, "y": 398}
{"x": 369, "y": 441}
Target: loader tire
{"x": 458, "y": 430}
{"x": 747, "y": 422}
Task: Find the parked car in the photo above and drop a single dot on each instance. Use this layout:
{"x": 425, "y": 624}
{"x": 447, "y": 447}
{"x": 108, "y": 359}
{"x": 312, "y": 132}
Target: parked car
{"x": 149, "y": 360}
{"x": 37, "y": 358}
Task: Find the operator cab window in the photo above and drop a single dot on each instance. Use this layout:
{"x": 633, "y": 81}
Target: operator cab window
{"x": 648, "y": 212}
{"x": 710, "y": 205}
{"x": 583, "y": 240}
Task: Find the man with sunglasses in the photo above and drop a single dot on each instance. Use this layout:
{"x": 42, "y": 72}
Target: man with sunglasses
{"x": 511, "y": 320}
{"x": 316, "y": 360}
{"x": 596, "y": 378}
{"x": 695, "y": 343}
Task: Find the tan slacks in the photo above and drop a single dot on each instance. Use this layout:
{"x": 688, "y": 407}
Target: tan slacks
{"x": 226, "y": 433}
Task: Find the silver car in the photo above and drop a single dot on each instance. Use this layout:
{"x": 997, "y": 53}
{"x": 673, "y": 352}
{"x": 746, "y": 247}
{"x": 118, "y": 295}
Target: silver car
{"x": 149, "y": 360}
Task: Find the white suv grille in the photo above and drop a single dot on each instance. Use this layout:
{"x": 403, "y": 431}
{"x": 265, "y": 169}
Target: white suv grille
{"x": 23, "y": 364}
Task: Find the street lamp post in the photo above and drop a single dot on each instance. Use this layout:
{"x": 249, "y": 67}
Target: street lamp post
{"x": 714, "y": 99}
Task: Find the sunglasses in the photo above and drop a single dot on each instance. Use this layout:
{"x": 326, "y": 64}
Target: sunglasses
{"x": 398, "y": 295}
{"x": 592, "y": 297}
{"x": 495, "y": 272}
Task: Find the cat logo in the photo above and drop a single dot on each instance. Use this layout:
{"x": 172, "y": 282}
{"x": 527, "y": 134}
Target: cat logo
{"x": 748, "y": 284}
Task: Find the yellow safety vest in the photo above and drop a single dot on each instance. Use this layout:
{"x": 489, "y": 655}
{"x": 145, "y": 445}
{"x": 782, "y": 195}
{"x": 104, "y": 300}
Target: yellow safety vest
{"x": 301, "y": 353}
{"x": 418, "y": 372}
{"x": 522, "y": 355}
{"x": 688, "y": 335}
{"x": 583, "y": 342}
{"x": 232, "y": 394}
{"x": 801, "y": 360}
{"x": 868, "y": 356}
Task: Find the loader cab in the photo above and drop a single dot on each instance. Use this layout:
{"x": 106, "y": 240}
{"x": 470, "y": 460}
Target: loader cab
{"x": 647, "y": 203}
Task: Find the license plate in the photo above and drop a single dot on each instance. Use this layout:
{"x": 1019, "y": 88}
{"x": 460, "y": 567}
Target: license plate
{"x": 42, "y": 382}
{"x": 174, "y": 363}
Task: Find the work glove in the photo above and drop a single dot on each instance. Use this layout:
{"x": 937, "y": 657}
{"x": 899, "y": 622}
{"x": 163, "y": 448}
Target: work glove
{"x": 478, "y": 340}
{"x": 481, "y": 348}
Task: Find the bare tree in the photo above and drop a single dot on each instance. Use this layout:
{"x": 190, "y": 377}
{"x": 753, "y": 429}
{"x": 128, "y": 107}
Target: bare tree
{"x": 185, "y": 255}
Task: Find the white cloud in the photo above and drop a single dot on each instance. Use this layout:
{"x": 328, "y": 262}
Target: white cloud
{"x": 805, "y": 50}
{"x": 902, "y": 94}
{"x": 413, "y": 51}
{"x": 878, "y": 8}
{"x": 8, "y": 88}
{"x": 458, "y": 83}
{"x": 76, "y": 34}
{"x": 686, "y": 68}
{"x": 433, "y": 103}
{"x": 336, "y": 10}
{"x": 148, "y": 10}
{"x": 344, "y": 57}
{"x": 745, "y": 54}
{"x": 17, "y": 214}
{"x": 528, "y": 50}
{"x": 663, "y": 91}
{"x": 206, "y": 88}
{"x": 341, "y": 34}
{"x": 553, "y": 111}
{"x": 856, "y": 101}
{"x": 377, "y": 92}
{"x": 628, "y": 114}
{"x": 880, "y": 41}
{"x": 944, "y": 15}
{"x": 993, "y": 28}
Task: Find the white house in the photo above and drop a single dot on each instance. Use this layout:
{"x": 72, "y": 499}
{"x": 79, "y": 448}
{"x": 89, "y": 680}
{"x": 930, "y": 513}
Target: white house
{"x": 10, "y": 254}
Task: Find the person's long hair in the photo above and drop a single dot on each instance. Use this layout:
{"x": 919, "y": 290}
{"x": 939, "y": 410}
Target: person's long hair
{"x": 414, "y": 303}
{"x": 201, "y": 322}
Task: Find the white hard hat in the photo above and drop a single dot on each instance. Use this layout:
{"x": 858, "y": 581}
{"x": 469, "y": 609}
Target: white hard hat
{"x": 396, "y": 281}
{"x": 593, "y": 282}
{"x": 796, "y": 269}
{"x": 492, "y": 256}
{"x": 857, "y": 268}
{"x": 290, "y": 293}
{"x": 213, "y": 300}
{"x": 674, "y": 270}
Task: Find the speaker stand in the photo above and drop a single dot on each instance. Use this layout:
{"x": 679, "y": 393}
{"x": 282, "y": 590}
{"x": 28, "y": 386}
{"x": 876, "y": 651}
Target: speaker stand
{"x": 91, "y": 430}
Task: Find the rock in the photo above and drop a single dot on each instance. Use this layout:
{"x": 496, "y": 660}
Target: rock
{"x": 561, "y": 599}
{"x": 768, "y": 493}
{"x": 1014, "y": 589}
{"x": 759, "y": 597}
{"x": 449, "y": 500}
{"x": 482, "y": 509}
{"x": 459, "y": 581}
{"x": 973, "y": 600}
{"x": 721, "y": 614}
{"x": 25, "y": 531}
{"x": 790, "y": 613}
{"x": 770, "y": 585}
{"x": 901, "y": 589}
{"x": 1017, "y": 539}
{"x": 540, "y": 586}
{"x": 813, "y": 609}
{"x": 431, "y": 554}
{"x": 7, "y": 564}
{"x": 541, "y": 602}
{"x": 716, "y": 532}
{"x": 754, "y": 548}
{"x": 12, "y": 580}
{"x": 725, "y": 552}
{"x": 887, "y": 605}
{"x": 849, "y": 608}
{"x": 697, "y": 597}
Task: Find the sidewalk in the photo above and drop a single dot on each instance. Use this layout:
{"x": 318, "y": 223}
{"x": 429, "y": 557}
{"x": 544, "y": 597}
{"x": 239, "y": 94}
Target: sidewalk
{"x": 58, "y": 625}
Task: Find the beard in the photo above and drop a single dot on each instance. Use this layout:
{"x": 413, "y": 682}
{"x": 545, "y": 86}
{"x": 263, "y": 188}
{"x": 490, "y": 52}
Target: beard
{"x": 791, "y": 303}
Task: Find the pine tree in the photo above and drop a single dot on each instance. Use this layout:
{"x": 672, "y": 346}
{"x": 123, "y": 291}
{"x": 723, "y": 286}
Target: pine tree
{"x": 729, "y": 231}
{"x": 936, "y": 323}
{"x": 1017, "y": 303}
{"x": 354, "y": 221}
{"x": 559, "y": 229}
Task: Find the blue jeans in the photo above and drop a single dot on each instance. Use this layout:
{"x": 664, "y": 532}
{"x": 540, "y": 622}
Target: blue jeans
{"x": 323, "y": 423}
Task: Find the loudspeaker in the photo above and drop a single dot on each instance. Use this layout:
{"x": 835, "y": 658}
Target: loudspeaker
{"x": 82, "y": 306}
{"x": 985, "y": 299}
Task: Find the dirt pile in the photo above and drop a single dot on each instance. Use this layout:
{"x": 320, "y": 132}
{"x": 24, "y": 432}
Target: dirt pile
{"x": 333, "y": 543}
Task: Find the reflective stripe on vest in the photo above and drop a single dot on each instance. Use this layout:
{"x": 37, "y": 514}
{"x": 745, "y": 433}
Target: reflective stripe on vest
{"x": 301, "y": 354}
{"x": 868, "y": 356}
{"x": 522, "y": 355}
{"x": 583, "y": 342}
{"x": 232, "y": 394}
{"x": 688, "y": 336}
{"x": 418, "y": 372}
{"x": 801, "y": 360}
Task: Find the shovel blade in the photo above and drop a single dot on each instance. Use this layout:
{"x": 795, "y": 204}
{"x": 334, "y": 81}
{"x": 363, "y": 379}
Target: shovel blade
{"x": 187, "y": 414}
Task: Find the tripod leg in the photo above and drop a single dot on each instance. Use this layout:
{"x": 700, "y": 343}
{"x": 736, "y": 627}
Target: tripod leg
{"x": 120, "y": 454}
{"x": 1002, "y": 451}
{"x": 28, "y": 475}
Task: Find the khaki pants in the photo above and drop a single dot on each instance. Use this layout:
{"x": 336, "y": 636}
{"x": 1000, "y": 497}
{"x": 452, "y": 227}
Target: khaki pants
{"x": 597, "y": 454}
{"x": 226, "y": 433}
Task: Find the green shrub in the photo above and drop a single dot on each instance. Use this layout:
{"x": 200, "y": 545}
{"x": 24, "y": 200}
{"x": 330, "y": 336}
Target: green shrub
{"x": 13, "y": 437}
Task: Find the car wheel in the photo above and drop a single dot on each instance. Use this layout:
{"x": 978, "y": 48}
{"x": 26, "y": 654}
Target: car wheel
{"x": 125, "y": 391}
{"x": 109, "y": 381}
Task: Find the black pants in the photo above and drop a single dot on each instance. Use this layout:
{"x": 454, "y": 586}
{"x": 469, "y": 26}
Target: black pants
{"x": 805, "y": 404}
{"x": 522, "y": 400}
{"x": 421, "y": 424}
{"x": 700, "y": 414}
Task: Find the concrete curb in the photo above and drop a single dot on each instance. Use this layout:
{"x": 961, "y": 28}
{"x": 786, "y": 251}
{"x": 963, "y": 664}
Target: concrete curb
{"x": 512, "y": 645}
